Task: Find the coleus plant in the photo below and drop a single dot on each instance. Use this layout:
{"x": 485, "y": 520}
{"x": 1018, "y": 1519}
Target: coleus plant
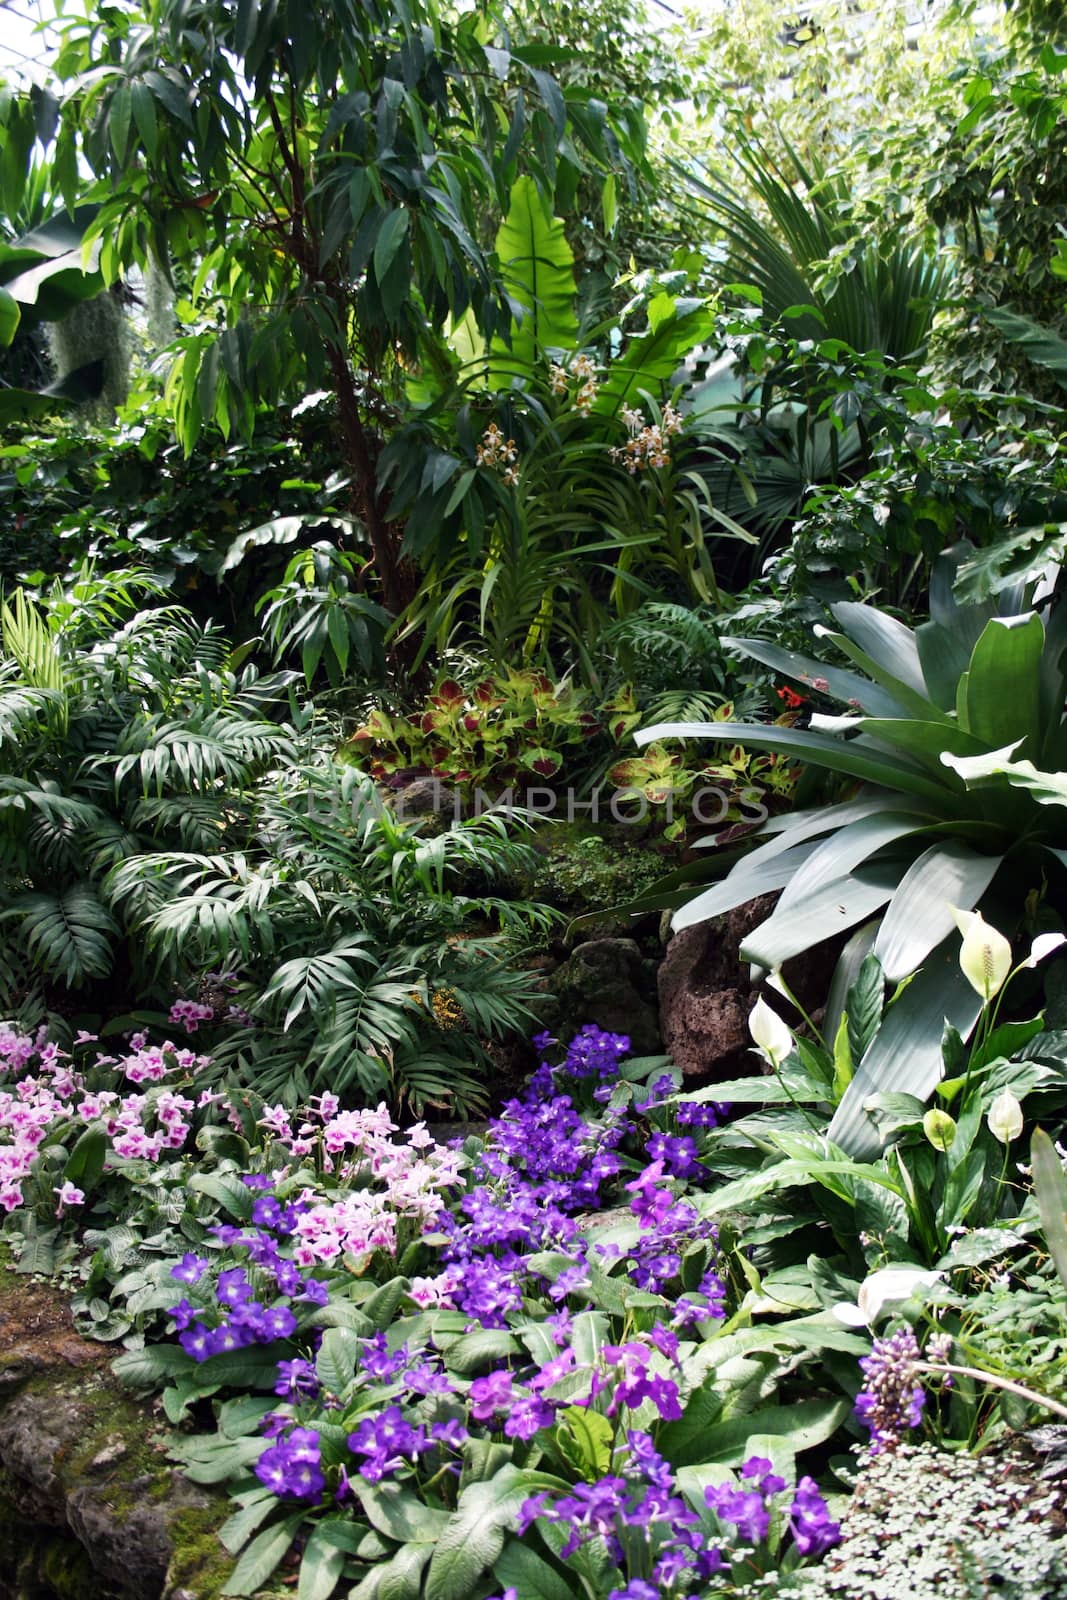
{"x": 511, "y": 725}
{"x": 663, "y": 776}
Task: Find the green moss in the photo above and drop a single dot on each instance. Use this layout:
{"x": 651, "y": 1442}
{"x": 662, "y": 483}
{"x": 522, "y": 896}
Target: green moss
{"x": 200, "y": 1563}
{"x": 585, "y": 872}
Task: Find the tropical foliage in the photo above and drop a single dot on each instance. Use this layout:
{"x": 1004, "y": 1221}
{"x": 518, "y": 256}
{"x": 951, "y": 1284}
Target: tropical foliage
{"x": 403, "y": 406}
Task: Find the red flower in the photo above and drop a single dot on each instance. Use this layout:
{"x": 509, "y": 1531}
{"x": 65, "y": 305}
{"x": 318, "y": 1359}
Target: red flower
{"x": 791, "y": 698}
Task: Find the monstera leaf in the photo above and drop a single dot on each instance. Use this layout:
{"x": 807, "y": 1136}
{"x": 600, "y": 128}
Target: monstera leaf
{"x": 538, "y": 270}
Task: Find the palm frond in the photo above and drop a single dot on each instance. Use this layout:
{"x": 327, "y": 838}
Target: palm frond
{"x": 68, "y": 936}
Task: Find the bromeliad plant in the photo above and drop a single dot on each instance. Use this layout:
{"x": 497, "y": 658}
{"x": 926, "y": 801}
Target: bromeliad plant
{"x": 913, "y": 841}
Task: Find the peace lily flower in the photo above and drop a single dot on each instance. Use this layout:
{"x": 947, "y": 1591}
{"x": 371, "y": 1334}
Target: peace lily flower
{"x": 985, "y": 956}
{"x": 1005, "y": 1119}
{"x": 769, "y": 1033}
{"x": 886, "y": 1285}
{"x": 1043, "y": 946}
{"x": 939, "y": 1128}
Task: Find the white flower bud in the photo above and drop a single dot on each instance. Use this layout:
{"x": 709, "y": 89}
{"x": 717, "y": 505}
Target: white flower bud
{"x": 985, "y": 955}
{"x": 769, "y": 1033}
{"x": 1005, "y": 1119}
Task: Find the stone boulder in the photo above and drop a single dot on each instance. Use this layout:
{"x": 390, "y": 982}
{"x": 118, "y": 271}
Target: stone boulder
{"x": 90, "y": 1507}
{"x": 705, "y": 994}
{"x": 609, "y": 982}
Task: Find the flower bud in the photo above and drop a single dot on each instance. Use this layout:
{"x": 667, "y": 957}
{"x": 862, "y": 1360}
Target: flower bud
{"x": 769, "y": 1033}
{"x": 1005, "y": 1119}
{"x": 939, "y": 1128}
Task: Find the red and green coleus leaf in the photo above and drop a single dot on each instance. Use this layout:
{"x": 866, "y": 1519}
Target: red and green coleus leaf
{"x": 546, "y": 763}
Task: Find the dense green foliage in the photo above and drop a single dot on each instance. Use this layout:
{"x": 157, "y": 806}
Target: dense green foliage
{"x": 405, "y": 405}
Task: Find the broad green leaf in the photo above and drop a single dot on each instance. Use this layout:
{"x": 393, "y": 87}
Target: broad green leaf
{"x": 474, "y": 1537}
{"x": 887, "y": 642}
{"x": 905, "y": 1055}
{"x": 648, "y": 362}
{"x": 818, "y": 749}
{"x": 844, "y": 685}
{"x": 746, "y": 882}
{"x": 119, "y": 117}
{"x": 391, "y": 235}
{"x": 538, "y": 270}
{"x": 585, "y": 1437}
{"x": 1050, "y": 1188}
{"x": 826, "y": 912}
{"x": 521, "y": 1568}
{"x": 321, "y": 1565}
{"x": 1003, "y": 681}
{"x": 399, "y": 1578}
{"x": 10, "y": 316}
{"x": 143, "y": 1369}
{"x": 919, "y": 916}
{"x": 335, "y": 1363}
{"x": 803, "y": 1425}
{"x": 1040, "y": 345}
{"x": 838, "y": 856}
{"x": 262, "y": 1557}
{"x": 87, "y": 1159}
{"x": 401, "y": 1515}
{"x": 473, "y": 1350}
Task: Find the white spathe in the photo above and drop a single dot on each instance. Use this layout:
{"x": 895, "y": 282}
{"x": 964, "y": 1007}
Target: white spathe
{"x": 889, "y": 1284}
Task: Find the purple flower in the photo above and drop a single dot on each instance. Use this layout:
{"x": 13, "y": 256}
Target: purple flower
{"x": 378, "y": 1361}
{"x": 267, "y": 1212}
{"x": 197, "y": 1341}
{"x": 743, "y": 1507}
{"x": 183, "y": 1314}
{"x": 384, "y": 1440}
{"x": 647, "y": 1461}
{"x": 677, "y": 1152}
{"x": 190, "y": 1268}
{"x": 314, "y": 1290}
{"x": 892, "y": 1400}
{"x": 528, "y": 1416}
{"x": 809, "y": 1521}
{"x": 491, "y": 1394}
{"x": 291, "y": 1467}
{"x": 296, "y": 1380}
{"x": 233, "y": 1287}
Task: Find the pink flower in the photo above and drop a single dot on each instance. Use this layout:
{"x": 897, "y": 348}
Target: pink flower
{"x": 69, "y": 1195}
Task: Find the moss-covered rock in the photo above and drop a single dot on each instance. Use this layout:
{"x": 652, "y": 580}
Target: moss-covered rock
{"x": 90, "y": 1507}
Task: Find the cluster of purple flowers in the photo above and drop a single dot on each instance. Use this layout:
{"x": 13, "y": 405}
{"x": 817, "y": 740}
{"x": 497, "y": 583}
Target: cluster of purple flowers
{"x": 891, "y": 1400}
{"x": 291, "y": 1467}
{"x": 749, "y": 1509}
{"x": 670, "y": 1230}
{"x": 643, "y": 1495}
{"x": 592, "y": 1053}
{"x": 234, "y": 1317}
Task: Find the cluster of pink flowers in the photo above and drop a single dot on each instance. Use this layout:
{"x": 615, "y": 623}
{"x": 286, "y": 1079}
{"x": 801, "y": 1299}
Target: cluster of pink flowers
{"x": 46, "y": 1090}
{"x": 409, "y": 1177}
{"x": 189, "y": 1014}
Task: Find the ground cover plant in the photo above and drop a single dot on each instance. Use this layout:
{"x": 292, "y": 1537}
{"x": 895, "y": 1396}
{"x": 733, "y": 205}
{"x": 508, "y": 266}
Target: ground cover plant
{"x": 557, "y": 1358}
